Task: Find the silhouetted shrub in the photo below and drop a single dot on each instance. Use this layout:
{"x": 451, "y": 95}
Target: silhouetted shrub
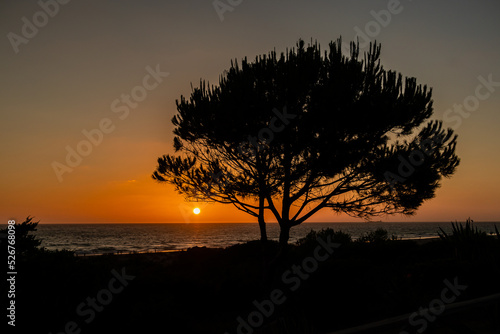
{"x": 461, "y": 234}
{"x": 26, "y": 243}
{"x": 336, "y": 236}
{"x": 468, "y": 242}
{"x": 377, "y": 236}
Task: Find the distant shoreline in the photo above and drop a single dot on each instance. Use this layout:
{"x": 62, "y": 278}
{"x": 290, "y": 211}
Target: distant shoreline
{"x": 139, "y": 238}
{"x": 419, "y": 241}
{"x": 271, "y": 223}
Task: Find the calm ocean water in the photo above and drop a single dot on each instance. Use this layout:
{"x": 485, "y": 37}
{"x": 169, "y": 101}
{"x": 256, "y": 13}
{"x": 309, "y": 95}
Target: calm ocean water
{"x": 106, "y": 238}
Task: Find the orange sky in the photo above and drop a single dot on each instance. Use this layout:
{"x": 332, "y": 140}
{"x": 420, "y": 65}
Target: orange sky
{"x": 65, "y": 79}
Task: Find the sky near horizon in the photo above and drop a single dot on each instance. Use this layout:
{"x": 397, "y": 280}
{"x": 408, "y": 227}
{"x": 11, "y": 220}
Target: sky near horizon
{"x": 112, "y": 70}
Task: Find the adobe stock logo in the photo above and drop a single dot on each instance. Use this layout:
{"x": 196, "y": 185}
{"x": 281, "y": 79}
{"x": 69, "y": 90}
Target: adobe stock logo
{"x": 221, "y": 6}
{"x": 423, "y": 317}
{"x": 452, "y": 116}
{"x": 416, "y": 158}
{"x": 382, "y": 19}
{"x": 40, "y": 19}
{"x": 292, "y": 279}
{"x": 104, "y": 297}
{"x": 120, "y": 106}
{"x": 266, "y": 134}
{"x": 471, "y": 103}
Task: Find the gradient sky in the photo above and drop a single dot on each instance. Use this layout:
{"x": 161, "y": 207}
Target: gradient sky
{"x": 64, "y": 79}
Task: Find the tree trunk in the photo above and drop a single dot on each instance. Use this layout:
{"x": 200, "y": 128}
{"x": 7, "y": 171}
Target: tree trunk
{"x": 283, "y": 246}
{"x": 262, "y": 226}
{"x": 284, "y": 235}
{"x": 262, "y": 222}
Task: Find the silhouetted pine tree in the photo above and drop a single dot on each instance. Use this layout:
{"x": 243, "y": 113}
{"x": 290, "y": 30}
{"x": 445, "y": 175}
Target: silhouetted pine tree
{"x": 303, "y": 131}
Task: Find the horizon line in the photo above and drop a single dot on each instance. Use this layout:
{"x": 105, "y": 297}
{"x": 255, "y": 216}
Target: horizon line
{"x": 272, "y": 222}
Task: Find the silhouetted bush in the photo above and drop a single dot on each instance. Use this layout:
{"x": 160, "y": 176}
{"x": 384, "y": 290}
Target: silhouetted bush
{"x": 377, "y": 236}
{"x": 336, "y": 236}
{"x": 463, "y": 234}
{"x": 26, "y": 243}
{"x": 467, "y": 242}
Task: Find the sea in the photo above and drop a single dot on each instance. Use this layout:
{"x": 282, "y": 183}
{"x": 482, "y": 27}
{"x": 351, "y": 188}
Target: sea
{"x": 91, "y": 239}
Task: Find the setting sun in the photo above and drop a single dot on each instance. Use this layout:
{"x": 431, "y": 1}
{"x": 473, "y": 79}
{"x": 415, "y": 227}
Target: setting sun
{"x": 196, "y": 211}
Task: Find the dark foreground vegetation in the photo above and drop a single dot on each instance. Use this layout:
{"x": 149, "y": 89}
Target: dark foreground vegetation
{"x": 235, "y": 289}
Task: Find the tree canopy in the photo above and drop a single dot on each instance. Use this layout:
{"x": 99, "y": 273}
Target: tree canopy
{"x": 295, "y": 133}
